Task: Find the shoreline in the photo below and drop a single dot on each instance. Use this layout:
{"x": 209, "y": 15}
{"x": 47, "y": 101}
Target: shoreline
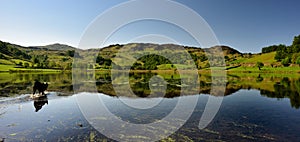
{"x": 295, "y": 71}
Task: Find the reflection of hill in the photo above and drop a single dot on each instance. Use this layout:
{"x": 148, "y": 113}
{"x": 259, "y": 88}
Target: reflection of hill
{"x": 139, "y": 83}
{"x": 17, "y": 84}
{"x": 270, "y": 85}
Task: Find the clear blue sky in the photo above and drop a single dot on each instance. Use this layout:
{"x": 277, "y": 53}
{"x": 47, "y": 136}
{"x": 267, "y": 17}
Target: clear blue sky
{"x": 244, "y": 25}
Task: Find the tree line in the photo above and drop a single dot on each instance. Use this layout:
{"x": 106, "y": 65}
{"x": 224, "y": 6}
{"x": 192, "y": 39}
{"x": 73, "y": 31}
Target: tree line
{"x": 286, "y": 54}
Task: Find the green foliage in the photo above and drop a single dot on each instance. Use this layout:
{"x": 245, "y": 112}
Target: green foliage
{"x": 285, "y": 52}
{"x": 64, "y": 59}
{"x": 281, "y": 54}
{"x": 106, "y": 63}
{"x": 296, "y": 40}
{"x": 20, "y": 64}
{"x": 298, "y": 61}
{"x": 259, "y": 65}
{"x": 2, "y": 56}
{"x": 273, "y": 48}
{"x": 12, "y": 50}
{"x": 151, "y": 61}
{"x": 26, "y": 65}
{"x": 294, "y": 57}
{"x": 137, "y": 66}
{"x": 286, "y": 62}
{"x": 71, "y": 53}
{"x": 40, "y": 61}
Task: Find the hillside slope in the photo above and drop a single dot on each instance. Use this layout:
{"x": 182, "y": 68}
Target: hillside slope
{"x": 55, "y": 46}
{"x": 55, "y": 56}
{"x": 60, "y": 56}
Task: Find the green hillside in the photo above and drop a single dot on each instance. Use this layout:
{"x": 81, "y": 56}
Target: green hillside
{"x": 18, "y": 58}
{"x": 266, "y": 58}
{"x": 148, "y": 56}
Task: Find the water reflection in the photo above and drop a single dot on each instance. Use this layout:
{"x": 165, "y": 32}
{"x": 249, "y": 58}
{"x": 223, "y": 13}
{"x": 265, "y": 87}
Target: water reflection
{"x": 286, "y": 88}
{"x": 244, "y": 116}
{"x": 12, "y": 84}
{"x": 141, "y": 84}
{"x": 39, "y": 102}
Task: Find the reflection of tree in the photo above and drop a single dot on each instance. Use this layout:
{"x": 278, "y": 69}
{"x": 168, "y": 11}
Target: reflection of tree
{"x": 259, "y": 78}
{"x": 139, "y": 83}
{"x": 286, "y": 89}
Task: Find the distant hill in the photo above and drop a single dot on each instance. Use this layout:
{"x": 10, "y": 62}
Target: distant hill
{"x": 107, "y": 55}
{"x": 226, "y": 50}
{"x": 55, "y": 46}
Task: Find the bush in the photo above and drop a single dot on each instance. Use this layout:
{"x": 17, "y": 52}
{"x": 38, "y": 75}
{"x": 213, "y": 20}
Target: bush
{"x": 259, "y": 65}
{"x": 26, "y": 65}
{"x": 298, "y": 61}
{"x": 286, "y": 61}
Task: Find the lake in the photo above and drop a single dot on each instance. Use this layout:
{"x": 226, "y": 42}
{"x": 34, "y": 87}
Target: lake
{"x": 255, "y": 107}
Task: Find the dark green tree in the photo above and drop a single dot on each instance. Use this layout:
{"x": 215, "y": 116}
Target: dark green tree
{"x": 298, "y": 61}
{"x": 286, "y": 61}
{"x": 259, "y": 65}
{"x": 26, "y": 65}
{"x": 71, "y": 53}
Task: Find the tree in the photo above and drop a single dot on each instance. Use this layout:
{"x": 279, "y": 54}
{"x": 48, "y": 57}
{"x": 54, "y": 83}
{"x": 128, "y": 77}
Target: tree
{"x": 294, "y": 57}
{"x": 273, "y": 48}
{"x": 259, "y": 65}
{"x": 298, "y": 61}
{"x": 296, "y": 44}
{"x": 71, "y": 53}
{"x": 26, "y": 65}
{"x": 286, "y": 61}
{"x": 100, "y": 60}
{"x": 281, "y": 54}
{"x": 20, "y": 64}
{"x": 52, "y": 64}
{"x": 296, "y": 40}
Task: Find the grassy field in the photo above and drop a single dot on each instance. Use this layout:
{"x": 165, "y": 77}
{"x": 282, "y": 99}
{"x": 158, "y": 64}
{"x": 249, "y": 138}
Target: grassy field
{"x": 266, "y": 58}
{"x": 11, "y": 68}
{"x": 170, "y": 67}
{"x": 6, "y": 62}
{"x": 6, "y": 68}
{"x": 266, "y": 69}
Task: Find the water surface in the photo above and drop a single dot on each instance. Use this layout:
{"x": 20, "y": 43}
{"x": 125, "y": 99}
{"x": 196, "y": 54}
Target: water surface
{"x": 256, "y": 107}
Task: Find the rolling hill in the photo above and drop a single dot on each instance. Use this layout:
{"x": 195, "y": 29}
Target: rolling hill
{"x": 56, "y": 56}
{"x": 56, "y": 46}
{"x": 60, "y": 56}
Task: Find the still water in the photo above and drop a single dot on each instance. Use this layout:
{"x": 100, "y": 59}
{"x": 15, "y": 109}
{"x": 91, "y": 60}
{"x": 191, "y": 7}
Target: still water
{"x": 255, "y": 107}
